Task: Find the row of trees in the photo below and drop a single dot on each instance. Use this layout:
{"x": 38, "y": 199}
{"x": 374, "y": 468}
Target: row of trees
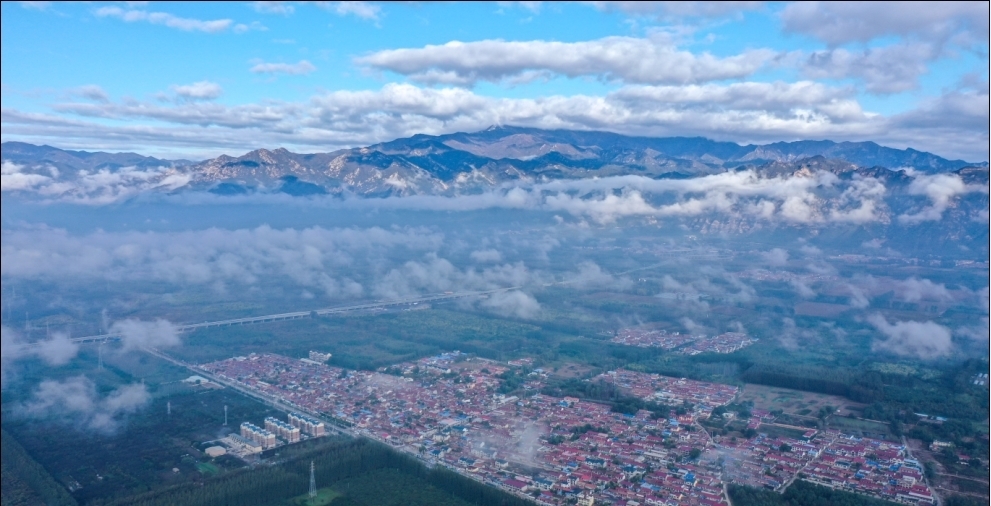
{"x": 609, "y": 393}
{"x": 801, "y": 493}
{"x": 25, "y": 481}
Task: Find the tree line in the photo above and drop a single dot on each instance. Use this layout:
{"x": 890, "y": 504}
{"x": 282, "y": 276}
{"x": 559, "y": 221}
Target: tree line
{"x": 25, "y": 481}
{"x": 801, "y": 493}
{"x": 335, "y": 460}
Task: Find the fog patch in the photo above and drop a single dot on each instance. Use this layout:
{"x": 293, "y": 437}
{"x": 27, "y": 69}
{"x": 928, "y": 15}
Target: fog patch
{"x": 940, "y": 189}
{"x": 56, "y": 350}
{"x": 803, "y": 290}
{"x": 486, "y": 256}
{"x": 590, "y": 277}
{"x": 512, "y": 303}
{"x": 915, "y": 290}
{"x": 76, "y": 401}
{"x": 911, "y": 338}
{"x": 792, "y": 337}
{"x": 138, "y": 334}
{"x": 776, "y": 257}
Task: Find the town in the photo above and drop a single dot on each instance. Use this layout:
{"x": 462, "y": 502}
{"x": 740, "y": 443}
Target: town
{"x": 455, "y": 410}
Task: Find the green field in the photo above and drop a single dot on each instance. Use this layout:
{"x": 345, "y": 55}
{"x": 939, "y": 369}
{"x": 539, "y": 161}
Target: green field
{"x": 853, "y": 425}
{"x": 324, "y": 497}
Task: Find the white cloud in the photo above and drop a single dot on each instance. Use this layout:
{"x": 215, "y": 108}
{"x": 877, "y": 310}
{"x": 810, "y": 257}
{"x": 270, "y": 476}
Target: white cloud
{"x": 925, "y": 340}
{"x": 679, "y": 9}
{"x": 628, "y": 59}
{"x": 57, "y": 349}
{"x": 941, "y": 189}
{"x": 533, "y": 7}
{"x": 13, "y": 179}
{"x": 36, "y": 5}
{"x": 776, "y": 257}
{"x": 436, "y": 274}
{"x": 842, "y": 22}
{"x": 200, "y": 90}
{"x": 137, "y": 334}
{"x": 486, "y": 256}
{"x": 742, "y": 112}
{"x": 363, "y": 10}
{"x": 802, "y": 289}
{"x": 77, "y": 401}
{"x": 284, "y": 8}
{"x": 514, "y": 303}
{"x": 312, "y": 258}
{"x": 92, "y": 92}
{"x": 302, "y": 68}
{"x": 90, "y": 187}
{"x": 915, "y": 290}
{"x": 887, "y": 69}
{"x": 165, "y": 19}
{"x": 589, "y": 276}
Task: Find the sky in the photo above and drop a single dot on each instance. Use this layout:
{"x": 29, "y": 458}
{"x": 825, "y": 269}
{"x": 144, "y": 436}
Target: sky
{"x": 196, "y": 80}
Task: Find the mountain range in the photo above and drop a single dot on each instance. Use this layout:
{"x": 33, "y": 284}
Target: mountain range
{"x": 471, "y": 162}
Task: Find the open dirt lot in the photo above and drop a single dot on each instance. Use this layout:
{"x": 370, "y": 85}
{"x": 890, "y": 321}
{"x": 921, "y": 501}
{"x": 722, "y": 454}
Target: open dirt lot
{"x": 795, "y": 402}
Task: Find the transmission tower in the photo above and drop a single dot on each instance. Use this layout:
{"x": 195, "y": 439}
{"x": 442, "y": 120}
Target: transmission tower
{"x": 313, "y": 480}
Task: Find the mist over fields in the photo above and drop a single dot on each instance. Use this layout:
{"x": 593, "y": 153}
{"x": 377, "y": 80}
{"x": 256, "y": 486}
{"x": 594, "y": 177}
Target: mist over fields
{"x": 862, "y": 282}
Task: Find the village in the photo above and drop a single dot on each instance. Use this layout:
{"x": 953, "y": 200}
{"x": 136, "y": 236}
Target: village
{"x": 688, "y": 344}
{"x": 453, "y": 410}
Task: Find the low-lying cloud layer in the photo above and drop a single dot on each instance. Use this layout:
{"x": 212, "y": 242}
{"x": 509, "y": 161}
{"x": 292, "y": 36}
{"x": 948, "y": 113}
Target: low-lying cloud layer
{"x": 55, "y": 350}
{"x": 137, "y": 334}
{"x": 313, "y": 258}
{"x": 77, "y": 402}
{"x": 926, "y": 340}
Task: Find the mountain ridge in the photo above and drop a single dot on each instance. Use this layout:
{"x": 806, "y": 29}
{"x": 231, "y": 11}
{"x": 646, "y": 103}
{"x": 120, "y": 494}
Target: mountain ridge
{"x": 471, "y": 161}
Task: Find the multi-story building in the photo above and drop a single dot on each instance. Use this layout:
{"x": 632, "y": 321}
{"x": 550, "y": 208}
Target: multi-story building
{"x": 282, "y": 429}
{"x": 259, "y": 435}
{"x": 307, "y": 424}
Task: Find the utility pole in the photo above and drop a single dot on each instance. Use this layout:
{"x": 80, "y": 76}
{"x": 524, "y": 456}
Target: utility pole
{"x": 313, "y": 480}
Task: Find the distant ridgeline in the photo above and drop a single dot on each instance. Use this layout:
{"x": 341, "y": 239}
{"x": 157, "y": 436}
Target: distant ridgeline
{"x": 470, "y": 162}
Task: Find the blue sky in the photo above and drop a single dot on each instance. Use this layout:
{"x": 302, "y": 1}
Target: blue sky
{"x": 201, "y": 79}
